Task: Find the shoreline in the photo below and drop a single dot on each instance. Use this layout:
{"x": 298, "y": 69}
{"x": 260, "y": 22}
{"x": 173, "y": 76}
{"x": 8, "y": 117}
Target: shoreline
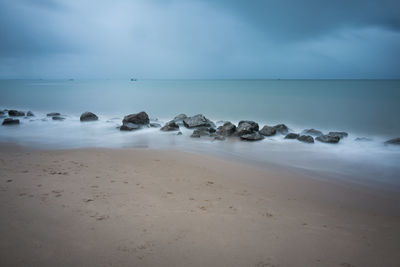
{"x": 125, "y": 207}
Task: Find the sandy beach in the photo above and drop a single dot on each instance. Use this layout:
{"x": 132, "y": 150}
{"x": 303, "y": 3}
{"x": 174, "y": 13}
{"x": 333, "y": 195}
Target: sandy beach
{"x": 136, "y": 207}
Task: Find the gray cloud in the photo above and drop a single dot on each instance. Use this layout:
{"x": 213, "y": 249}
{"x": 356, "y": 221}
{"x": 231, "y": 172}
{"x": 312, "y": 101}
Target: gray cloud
{"x": 200, "y": 39}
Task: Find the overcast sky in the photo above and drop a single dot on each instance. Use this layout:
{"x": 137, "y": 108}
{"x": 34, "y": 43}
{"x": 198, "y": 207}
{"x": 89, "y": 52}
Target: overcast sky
{"x": 199, "y": 39}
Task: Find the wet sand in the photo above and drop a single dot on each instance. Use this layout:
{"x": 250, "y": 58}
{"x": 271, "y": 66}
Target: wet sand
{"x": 133, "y": 207}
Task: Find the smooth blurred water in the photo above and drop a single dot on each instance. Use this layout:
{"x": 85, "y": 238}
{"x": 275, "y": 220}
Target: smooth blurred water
{"x": 368, "y": 108}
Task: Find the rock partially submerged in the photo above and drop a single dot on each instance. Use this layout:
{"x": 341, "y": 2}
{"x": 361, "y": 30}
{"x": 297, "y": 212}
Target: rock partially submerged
{"x": 255, "y": 136}
{"x": 202, "y": 131}
{"x": 306, "y": 139}
{"x": 52, "y": 114}
{"x": 10, "y": 121}
{"x": 197, "y": 121}
{"x": 135, "y": 121}
{"x": 281, "y": 128}
{"x": 328, "y": 139}
{"x": 154, "y": 125}
{"x": 228, "y": 129}
{"x": 30, "y": 114}
{"x": 338, "y": 134}
{"x": 246, "y": 127}
{"x": 170, "y": 126}
{"x": 312, "y": 132}
{"x": 88, "y": 116}
{"x": 292, "y": 136}
{"x": 268, "y": 131}
{"x": 363, "y": 139}
{"x": 179, "y": 119}
{"x": 58, "y": 118}
{"x": 394, "y": 141}
{"x": 15, "y": 113}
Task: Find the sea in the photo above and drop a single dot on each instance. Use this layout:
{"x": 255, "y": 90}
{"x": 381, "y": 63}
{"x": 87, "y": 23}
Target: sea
{"x": 367, "y": 109}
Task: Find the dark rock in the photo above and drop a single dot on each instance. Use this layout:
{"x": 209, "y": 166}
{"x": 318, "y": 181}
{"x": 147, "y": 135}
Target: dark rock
{"x": 292, "y": 136}
{"x": 88, "y": 116}
{"x": 338, "y": 134}
{"x": 363, "y": 139}
{"x": 197, "y": 121}
{"x": 219, "y": 138}
{"x": 58, "y": 118}
{"x": 281, "y": 128}
{"x": 30, "y": 114}
{"x": 170, "y": 126}
{"x": 52, "y": 114}
{"x": 202, "y": 131}
{"x": 10, "y": 121}
{"x": 255, "y": 136}
{"x": 306, "y": 139}
{"x": 15, "y": 113}
{"x": 312, "y": 132}
{"x": 129, "y": 127}
{"x": 155, "y": 125}
{"x": 394, "y": 141}
{"x": 140, "y": 118}
{"x": 268, "y": 131}
{"x": 179, "y": 119}
{"x": 328, "y": 139}
{"x": 227, "y": 129}
{"x": 246, "y": 127}
{"x": 179, "y": 133}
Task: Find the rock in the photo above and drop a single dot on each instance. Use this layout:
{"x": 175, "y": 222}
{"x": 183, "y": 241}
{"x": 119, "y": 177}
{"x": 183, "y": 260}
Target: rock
{"x": 52, "y": 114}
{"x": 202, "y": 131}
{"x": 9, "y": 121}
{"x": 30, "y": 114}
{"x": 268, "y": 131}
{"x": 338, "y": 134}
{"x": 219, "y": 138}
{"x": 170, "y": 126}
{"x": 394, "y": 141}
{"x": 312, "y": 132}
{"x": 58, "y": 118}
{"x": 129, "y": 127}
{"x": 363, "y": 139}
{"x": 292, "y": 136}
{"x": 140, "y": 118}
{"x": 197, "y": 121}
{"x": 227, "y": 129}
{"x": 179, "y": 133}
{"x": 88, "y": 116}
{"x": 246, "y": 127}
{"x": 306, "y": 139}
{"x": 179, "y": 119}
{"x": 155, "y": 125}
{"x": 281, "y": 128}
{"x": 255, "y": 136}
{"x": 15, "y": 113}
{"x": 328, "y": 139}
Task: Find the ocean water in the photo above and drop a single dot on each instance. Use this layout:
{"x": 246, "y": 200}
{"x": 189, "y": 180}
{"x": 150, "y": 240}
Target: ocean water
{"x": 363, "y": 108}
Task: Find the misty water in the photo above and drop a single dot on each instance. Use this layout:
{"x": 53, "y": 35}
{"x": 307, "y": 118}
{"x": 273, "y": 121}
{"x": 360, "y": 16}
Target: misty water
{"x": 363, "y": 108}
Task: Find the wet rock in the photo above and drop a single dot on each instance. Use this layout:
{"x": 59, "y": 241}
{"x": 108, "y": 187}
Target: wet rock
{"x": 154, "y": 125}
{"x": 52, "y": 114}
{"x": 58, "y": 118}
{"x": 394, "y": 141}
{"x": 10, "y": 121}
{"x": 292, "y": 136}
{"x": 179, "y": 119}
{"x": 363, "y": 139}
{"x": 268, "y": 131}
{"x": 15, "y": 113}
{"x": 179, "y": 133}
{"x": 338, "y": 134}
{"x": 281, "y": 128}
{"x": 312, "y": 132}
{"x": 140, "y": 118}
{"x": 255, "y": 136}
{"x": 219, "y": 138}
{"x": 129, "y": 127}
{"x": 306, "y": 139}
{"x": 246, "y": 127}
{"x": 227, "y": 129}
{"x": 197, "y": 121}
{"x": 328, "y": 139}
{"x": 88, "y": 116}
{"x": 202, "y": 131}
{"x": 30, "y": 114}
{"x": 170, "y": 126}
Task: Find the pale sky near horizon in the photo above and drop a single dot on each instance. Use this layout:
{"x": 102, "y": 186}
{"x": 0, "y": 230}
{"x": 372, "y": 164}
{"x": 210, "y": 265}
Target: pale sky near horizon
{"x": 200, "y": 39}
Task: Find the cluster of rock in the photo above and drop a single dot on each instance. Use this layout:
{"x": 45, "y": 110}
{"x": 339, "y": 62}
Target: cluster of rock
{"x": 203, "y": 127}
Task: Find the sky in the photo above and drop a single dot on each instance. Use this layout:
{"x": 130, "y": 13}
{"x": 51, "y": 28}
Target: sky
{"x": 200, "y": 39}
